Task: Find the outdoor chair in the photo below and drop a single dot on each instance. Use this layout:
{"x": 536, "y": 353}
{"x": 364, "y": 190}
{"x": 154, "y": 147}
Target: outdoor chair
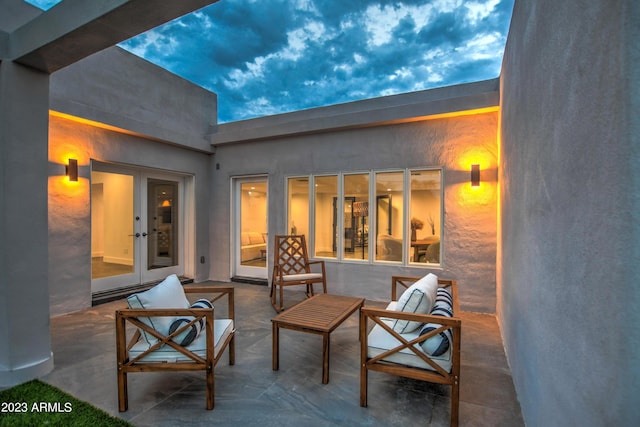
{"x": 171, "y": 334}
{"x": 417, "y": 336}
{"x": 291, "y": 266}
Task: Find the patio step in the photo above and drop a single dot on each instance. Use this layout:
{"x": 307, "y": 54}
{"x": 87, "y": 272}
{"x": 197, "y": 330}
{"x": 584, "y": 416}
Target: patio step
{"x": 250, "y": 280}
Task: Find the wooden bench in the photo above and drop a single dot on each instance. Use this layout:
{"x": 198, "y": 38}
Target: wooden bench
{"x": 385, "y": 350}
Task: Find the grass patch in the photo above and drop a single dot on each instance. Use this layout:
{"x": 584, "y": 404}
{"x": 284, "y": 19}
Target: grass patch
{"x": 35, "y": 403}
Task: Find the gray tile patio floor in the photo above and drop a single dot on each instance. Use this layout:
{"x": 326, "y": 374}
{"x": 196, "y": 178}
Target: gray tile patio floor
{"x": 251, "y": 393}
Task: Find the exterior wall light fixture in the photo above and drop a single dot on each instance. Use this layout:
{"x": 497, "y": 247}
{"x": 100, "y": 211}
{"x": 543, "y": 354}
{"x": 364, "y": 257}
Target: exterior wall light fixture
{"x": 475, "y": 175}
{"x": 71, "y": 170}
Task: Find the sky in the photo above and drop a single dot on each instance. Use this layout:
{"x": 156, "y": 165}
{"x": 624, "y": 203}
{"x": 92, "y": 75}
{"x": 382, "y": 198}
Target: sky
{"x": 265, "y": 57}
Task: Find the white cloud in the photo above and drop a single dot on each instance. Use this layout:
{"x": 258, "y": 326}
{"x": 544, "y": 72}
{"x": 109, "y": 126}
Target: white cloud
{"x": 435, "y": 78}
{"x": 205, "y": 20}
{"x": 483, "y": 40}
{"x": 380, "y": 21}
{"x": 480, "y": 10}
{"x": 152, "y": 41}
{"x": 347, "y": 68}
{"x": 238, "y": 78}
{"x": 297, "y": 43}
{"x": 299, "y": 38}
{"x": 387, "y": 92}
{"x": 483, "y": 46}
{"x": 347, "y": 25}
{"x": 260, "y": 107}
{"x": 402, "y": 73}
{"x": 305, "y": 5}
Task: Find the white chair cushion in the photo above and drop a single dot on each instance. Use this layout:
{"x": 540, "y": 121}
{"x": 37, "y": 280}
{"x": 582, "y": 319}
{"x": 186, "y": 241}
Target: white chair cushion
{"x": 167, "y": 294}
{"x": 301, "y": 276}
{"x": 222, "y": 328}
{"x": 418, "y": 298}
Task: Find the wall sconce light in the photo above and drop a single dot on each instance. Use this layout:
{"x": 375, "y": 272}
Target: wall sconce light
{"x": 71, "y": 170}
{"x": 475, "y": 175}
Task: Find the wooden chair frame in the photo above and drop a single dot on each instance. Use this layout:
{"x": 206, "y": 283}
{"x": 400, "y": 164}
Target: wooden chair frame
{"x": 196, "y": 363}
{"x": 291, "y": 259}
{"x": 438, "y": 375}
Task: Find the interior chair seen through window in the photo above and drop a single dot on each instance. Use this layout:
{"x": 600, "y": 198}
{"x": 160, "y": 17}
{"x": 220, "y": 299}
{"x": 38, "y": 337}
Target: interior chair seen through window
{"x": 291, "y": 266}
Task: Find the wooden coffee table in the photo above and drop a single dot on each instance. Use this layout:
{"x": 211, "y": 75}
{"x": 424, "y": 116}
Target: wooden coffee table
{"x": 320, "y": 315}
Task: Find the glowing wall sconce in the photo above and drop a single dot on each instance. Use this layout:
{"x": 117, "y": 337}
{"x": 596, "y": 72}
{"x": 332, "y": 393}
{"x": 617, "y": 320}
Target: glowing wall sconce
{"x": 475, "y": 175}
{"x": 71, "y": 170}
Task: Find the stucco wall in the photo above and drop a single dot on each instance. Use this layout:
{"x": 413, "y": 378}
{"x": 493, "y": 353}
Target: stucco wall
{"x": 469, "y": 235}
{"x": 69, "y": 205}
{"x": 117, "y": 88}
{"x": 126, "y": 106}
{"x": 568, "y": 270}
{"x": 25, "y": 345}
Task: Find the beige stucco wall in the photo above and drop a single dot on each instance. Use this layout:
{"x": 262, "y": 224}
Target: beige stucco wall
{"x": 469, "y": 236}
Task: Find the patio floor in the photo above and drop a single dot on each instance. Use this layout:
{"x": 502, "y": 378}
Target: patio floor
{"x": 251, "y": 393}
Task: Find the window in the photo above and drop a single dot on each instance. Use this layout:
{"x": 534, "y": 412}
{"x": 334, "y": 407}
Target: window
{"x": 325, "y": 225}
{"x": 298, "y": 205}
{"x": 424, "y": 211}
{"x": 390, "y": 218}
{"x": 379, "y": 216}
{"x": 356, "y": 216}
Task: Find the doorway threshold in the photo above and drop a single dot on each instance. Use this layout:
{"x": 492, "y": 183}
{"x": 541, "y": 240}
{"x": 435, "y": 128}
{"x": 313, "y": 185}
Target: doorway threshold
{"x": 250, "y": 280}
{"x": 102, "y": 297}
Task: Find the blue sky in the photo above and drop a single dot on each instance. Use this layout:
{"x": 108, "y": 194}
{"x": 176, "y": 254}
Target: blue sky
{"x": 265, "y": 57}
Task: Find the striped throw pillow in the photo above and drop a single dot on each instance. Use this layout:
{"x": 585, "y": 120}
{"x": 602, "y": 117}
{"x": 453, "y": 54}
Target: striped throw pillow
{"x": 438, "y": 344}
{"x": 190, "y": 334}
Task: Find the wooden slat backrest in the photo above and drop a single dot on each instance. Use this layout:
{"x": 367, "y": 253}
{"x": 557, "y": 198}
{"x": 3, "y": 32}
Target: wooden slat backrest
{"x": 292, "y": 256}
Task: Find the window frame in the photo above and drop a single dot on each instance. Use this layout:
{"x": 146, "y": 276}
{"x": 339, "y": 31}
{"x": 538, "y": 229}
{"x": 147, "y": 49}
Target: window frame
{"x": 370, "y": 258}
{"x": 408, "y": 215}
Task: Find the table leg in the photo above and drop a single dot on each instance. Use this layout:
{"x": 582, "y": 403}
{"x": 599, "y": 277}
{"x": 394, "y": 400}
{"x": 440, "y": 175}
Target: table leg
{"x": 325, "y": 358}
{"x": 275, "y": 356}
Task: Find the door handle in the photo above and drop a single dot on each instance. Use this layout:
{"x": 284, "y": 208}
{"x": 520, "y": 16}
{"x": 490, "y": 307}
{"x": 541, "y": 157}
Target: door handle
{"x": 136, "y": 235}
{"x": 144, "y": 234}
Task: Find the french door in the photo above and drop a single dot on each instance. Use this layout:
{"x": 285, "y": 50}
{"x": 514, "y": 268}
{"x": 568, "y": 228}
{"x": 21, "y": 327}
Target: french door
{"x": 250, "y": 201}
{"x": 137, "y": 226}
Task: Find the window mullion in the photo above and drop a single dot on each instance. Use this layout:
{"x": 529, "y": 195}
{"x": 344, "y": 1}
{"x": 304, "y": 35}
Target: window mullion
{"x": 340, "y": 218}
